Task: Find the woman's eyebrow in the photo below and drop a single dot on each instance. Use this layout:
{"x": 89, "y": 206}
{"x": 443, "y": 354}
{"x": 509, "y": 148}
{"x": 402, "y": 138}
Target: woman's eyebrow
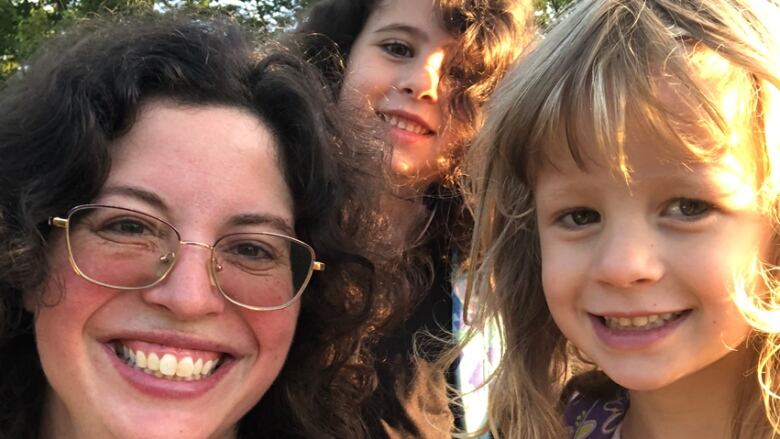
{"x": 147, "y": 197}
{"x": 413, "y": 31}
{"x": 253, "y": 219}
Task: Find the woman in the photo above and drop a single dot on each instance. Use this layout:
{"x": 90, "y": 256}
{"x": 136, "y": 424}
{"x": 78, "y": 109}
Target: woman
{"x": 168, "y": 195}
{"x": 421, "y": 70}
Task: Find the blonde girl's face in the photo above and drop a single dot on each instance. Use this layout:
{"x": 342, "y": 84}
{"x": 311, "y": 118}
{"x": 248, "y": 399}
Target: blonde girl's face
{"x": 393, "y": 73}
{"x": 640, "y": 276}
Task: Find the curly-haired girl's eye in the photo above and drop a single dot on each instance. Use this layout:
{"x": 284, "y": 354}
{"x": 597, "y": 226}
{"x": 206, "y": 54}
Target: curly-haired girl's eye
{"x": 398, "y": 49}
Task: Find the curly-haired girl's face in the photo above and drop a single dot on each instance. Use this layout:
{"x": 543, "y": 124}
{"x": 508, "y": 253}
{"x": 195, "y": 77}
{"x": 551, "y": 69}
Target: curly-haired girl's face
{"x": 393, "y": 72}
{"x": 108, "y": 354}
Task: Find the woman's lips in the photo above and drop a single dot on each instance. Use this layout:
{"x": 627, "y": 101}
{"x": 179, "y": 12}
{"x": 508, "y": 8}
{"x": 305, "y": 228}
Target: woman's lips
{"x": 172, "y": 371}
{"x": 637, "y": 331}
{"x": 166, "y": 361}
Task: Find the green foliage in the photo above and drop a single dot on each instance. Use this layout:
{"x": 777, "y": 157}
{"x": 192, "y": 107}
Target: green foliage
{"x": 24, "y": 24}
{"x": 548, "y": 10}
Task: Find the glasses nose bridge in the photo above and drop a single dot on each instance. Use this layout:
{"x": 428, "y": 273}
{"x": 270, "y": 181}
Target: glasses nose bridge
{"x": 197, "y": 244}
{"x": 210, "y": 248}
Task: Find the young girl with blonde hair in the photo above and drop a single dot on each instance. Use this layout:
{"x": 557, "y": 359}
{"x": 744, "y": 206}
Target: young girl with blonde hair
{"x": 627, "y": 184}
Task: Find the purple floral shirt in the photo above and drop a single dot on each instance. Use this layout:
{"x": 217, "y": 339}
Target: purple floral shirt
{"x": 595, "y": 419}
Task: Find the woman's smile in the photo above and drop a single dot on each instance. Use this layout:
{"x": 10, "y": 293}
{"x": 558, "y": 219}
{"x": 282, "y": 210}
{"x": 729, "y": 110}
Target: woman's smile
{"x": 134, "y": 352}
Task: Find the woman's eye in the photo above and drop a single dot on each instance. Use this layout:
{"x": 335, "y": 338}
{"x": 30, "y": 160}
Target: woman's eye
{"x": 688, "y": 208}
{"x": 398, "y": 49}
{"x": 580, "y": 217}
{"x": 251, "y": 250}
{"x": 127, "y": 227}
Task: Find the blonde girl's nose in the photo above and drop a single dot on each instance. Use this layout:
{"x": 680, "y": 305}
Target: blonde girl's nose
{"x": 628, "y": 257}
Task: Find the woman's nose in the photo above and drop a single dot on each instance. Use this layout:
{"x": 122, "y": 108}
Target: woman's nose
{"x": 421, "y": 79}
{"x": 188, "y": 292}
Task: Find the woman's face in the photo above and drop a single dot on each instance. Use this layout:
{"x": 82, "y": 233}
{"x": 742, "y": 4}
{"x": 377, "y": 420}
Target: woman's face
{"x": 209, "y": 171}
{"x": 393, "y": 72}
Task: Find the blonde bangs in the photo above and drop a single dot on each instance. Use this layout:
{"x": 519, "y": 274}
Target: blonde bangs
{"x": 596, "y": 80}
{"x": 596, "y": 108}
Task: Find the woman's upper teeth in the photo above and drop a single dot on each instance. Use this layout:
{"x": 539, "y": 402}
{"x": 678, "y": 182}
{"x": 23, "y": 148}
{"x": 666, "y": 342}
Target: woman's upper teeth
{"x": 168, "y": 365}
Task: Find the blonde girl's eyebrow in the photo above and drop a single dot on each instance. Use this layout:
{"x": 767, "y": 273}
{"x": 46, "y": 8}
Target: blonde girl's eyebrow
{"x": 256, "y": 219}
{"x": 412, "y": 31}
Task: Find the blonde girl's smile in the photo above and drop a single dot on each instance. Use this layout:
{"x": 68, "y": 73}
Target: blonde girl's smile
{"x": 637, "y": 332}
{"x": 639, "y": 321}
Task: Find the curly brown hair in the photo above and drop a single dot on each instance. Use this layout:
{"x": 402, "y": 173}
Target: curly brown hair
{"x": 59, "y": 119}
{"x": 489, "y": 35}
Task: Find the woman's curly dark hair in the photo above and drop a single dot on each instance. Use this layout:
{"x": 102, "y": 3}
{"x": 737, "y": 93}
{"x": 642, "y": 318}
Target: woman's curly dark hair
{"x": 59, "y": 119}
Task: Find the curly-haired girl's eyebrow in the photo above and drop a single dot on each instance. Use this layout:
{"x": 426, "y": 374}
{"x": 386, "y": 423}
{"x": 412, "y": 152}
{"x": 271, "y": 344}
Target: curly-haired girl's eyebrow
{"x": 405, "y": 28}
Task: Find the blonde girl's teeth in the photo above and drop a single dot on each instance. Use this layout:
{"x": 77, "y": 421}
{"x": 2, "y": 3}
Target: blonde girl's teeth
{"x": 639, "y": 321}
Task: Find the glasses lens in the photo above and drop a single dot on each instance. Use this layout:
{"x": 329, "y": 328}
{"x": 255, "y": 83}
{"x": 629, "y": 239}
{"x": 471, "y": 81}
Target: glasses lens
{"x": 119, "y": 247}
{"x": 262, "y": 270}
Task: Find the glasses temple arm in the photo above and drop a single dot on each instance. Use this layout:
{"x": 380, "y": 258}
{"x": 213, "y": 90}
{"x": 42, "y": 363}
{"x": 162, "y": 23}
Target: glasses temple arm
{"x": 56, "y": 221}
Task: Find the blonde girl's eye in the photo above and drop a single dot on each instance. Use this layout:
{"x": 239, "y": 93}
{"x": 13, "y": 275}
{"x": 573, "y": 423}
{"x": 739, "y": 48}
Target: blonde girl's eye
{"x": 688, "y": 208}
{"x": 397, "y": 49}
{"x": 580, "y": 217}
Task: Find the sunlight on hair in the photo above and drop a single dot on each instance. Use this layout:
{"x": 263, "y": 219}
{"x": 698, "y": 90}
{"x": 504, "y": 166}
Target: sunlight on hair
{"x": 433, "y": 67}
{"x": 403, "y": 166}
{"x": 761, "y": 309}
{"x": 770, "y": 189}
{"x": 737, "y": 181}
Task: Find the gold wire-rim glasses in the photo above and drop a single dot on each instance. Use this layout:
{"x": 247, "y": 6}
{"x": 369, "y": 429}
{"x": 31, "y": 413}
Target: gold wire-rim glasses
{"x": 65, "y": 222}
